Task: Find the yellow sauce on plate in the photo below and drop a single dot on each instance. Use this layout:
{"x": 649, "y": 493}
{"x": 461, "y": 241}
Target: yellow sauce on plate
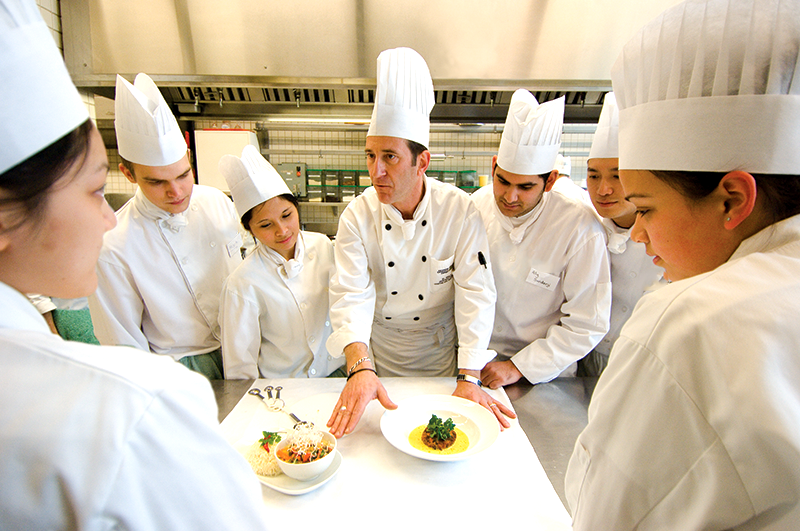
{"x": 461, "y": 444}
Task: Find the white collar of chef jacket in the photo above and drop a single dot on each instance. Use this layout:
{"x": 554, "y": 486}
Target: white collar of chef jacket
{"x": 291, "y": 268}
{"x": 409, "y": 226}
{"x": 18, "y": 313}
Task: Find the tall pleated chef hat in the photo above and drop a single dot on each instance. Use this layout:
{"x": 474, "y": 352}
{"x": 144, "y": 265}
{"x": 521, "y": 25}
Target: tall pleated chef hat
{"x": 404, "y": 97}
{"x": 38, "y": 102}
{"x": 712, "y": 86}
{"x": 147, "y": 131}
{"x": 563, "y": 165}
{"x": 532, "y": 135}
{"x": 251, "y": 178}
{"x": 605, "y": 143}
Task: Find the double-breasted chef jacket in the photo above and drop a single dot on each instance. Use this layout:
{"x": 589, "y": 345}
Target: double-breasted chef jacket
{"x": 403, "y": 275}
{"x": 274, "y": 313}
{"x": 110, "y": 438}
{"x": 553, "y": 287}
{"x": 694, "y": 423}
{"x": 158, "y": 287}
{"x": 632, "y": 274}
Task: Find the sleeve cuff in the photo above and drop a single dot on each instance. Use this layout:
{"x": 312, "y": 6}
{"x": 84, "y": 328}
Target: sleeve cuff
{"x": 473, "y": 359}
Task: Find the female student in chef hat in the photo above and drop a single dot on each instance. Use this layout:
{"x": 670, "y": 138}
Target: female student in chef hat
{"x": 274, "y": 307}
{"x": 632, "y": 270}
{"x": 695, "y": 422}
{"x": 90, "y": 437}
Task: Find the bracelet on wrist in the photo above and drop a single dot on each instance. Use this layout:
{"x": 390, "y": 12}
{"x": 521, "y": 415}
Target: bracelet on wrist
{"x": 358, "y": 362}
{"x": 469, "y": 378}
{"x": 361, "y": 370}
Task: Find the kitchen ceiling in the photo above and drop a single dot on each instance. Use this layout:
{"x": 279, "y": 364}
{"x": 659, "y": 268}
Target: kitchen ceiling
{"x": 210, "y": 59}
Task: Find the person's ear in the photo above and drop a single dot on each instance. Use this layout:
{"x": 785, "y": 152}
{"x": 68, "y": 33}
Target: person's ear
{"x": 128, "y": 175}
{"x": 551, "y": 180}
{"x": 423, "y": 161}
{"x": 738, "y": 191}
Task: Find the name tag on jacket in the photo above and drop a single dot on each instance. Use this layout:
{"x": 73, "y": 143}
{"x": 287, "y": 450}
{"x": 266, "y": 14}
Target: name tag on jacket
{"x": 543, "y": 280}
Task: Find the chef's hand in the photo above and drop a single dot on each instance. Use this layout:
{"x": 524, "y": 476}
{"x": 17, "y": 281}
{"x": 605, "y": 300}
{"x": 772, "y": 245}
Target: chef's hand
{"x": 361, "y": 388}
{"x": 471, "y": 391}
{"x": 499, "y": 373}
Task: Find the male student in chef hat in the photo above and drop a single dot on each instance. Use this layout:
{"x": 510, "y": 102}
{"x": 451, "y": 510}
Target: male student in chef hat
{"x": 161, "y": 269}
{"x": 548, "y": 254}
{"x": 632, "y": 270}
{"x": 413, "y": 293}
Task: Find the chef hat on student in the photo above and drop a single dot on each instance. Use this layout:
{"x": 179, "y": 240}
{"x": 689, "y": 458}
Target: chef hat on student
{"x": 38, "y": 102}
{"x": 251, "y": 178}
{"x": 147, "y": 131}
{"x": 712, "y": 86}
{"x": 532, "y": 135}
{"x": 563, "y": 165}
{"x": 404, "y": 97}
{"x": 605, "y": 144}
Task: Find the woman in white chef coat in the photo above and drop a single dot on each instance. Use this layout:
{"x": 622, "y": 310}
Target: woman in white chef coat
{"x": 91, "y": 437}
{"x": 632, "y": 271}
{"x": 694, "y": 423}
{"x": 274, "y": 307}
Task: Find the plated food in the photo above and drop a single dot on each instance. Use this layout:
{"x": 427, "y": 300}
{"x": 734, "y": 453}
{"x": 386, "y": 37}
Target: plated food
{"x": 477, "y": 424}
{"x": 439, "y": 437}
{"x": 306, "y": 452}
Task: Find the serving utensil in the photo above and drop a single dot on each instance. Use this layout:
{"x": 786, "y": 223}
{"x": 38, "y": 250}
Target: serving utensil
{"x": 276, "y": 403}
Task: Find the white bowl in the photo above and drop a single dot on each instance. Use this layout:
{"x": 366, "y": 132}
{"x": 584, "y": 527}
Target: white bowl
{"x": 307, "y": 471}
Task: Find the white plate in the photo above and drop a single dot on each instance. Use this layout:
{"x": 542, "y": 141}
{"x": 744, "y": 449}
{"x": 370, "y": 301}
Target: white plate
{"x": 285, "y": 484}
{"x": 477, "y": 422}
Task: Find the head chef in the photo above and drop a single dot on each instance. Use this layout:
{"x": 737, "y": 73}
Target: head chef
{"x": 397, "y": 139}
{"x": 411, "y": 260}
{"x": 151, "y": 145}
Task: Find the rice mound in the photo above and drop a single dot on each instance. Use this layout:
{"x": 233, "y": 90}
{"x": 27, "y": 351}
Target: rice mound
{"x": 262, "y": 462}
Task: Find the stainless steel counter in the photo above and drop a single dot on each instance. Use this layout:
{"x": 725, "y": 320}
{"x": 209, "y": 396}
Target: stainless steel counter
{"x": 551, "y": 415}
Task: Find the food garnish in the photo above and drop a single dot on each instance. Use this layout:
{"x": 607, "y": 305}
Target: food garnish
{"x": 269, "y": 438}
{"x": 306, "y": 445}
{"x": 438, "y": 434}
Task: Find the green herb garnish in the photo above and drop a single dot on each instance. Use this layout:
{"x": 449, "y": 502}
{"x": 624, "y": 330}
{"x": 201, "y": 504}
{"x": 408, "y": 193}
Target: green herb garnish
{"x": 440, "y": 430}
{"x": 270, "y": 437}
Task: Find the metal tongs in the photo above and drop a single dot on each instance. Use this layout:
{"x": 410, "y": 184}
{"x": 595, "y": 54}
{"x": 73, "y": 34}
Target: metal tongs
{"x": 276, "y": 403}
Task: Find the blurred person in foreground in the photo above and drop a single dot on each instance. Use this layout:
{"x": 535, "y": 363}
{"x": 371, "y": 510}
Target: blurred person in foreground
{"x": 91, "y": 437}
{"x": 694, "y": 423}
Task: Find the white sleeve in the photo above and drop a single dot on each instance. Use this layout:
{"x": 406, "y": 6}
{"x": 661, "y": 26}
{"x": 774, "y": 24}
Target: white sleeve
{"x": 241, "y": 335}
{"x": 475, "y": 294}
{"x": 352, "y": 291}
{"x": 185, "y": 477}
{"x": 587, "y": 309}
{"x": 117, "y": 308}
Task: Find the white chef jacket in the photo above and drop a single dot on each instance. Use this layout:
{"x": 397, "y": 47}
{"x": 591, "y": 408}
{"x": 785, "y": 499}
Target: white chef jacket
{"x": 411, "y": 283}
{"x": 632, "y": 274}
{"x": 553, "y": 288}
{"x": 110, "y": 438}
{"x": 274, "y": 313}
{"x": 695, "y": 423}
{"x": 158, "y": 289}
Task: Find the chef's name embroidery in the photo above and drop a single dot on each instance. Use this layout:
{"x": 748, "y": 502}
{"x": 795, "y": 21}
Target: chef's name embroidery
{"x": 446, "y": 270}
{"x": 443, "y": 280}
{"x": 543, "y": 280}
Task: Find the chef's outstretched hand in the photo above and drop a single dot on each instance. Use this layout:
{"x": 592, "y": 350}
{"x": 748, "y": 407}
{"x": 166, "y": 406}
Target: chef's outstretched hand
{"x": 496, "y": 374}
{"x": 358, "y": 392}
{"x": 470, "y": 391}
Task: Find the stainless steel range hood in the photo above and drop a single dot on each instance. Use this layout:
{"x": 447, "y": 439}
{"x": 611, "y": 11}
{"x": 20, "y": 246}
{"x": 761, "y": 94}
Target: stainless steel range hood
{"x": 255, "y": 59}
